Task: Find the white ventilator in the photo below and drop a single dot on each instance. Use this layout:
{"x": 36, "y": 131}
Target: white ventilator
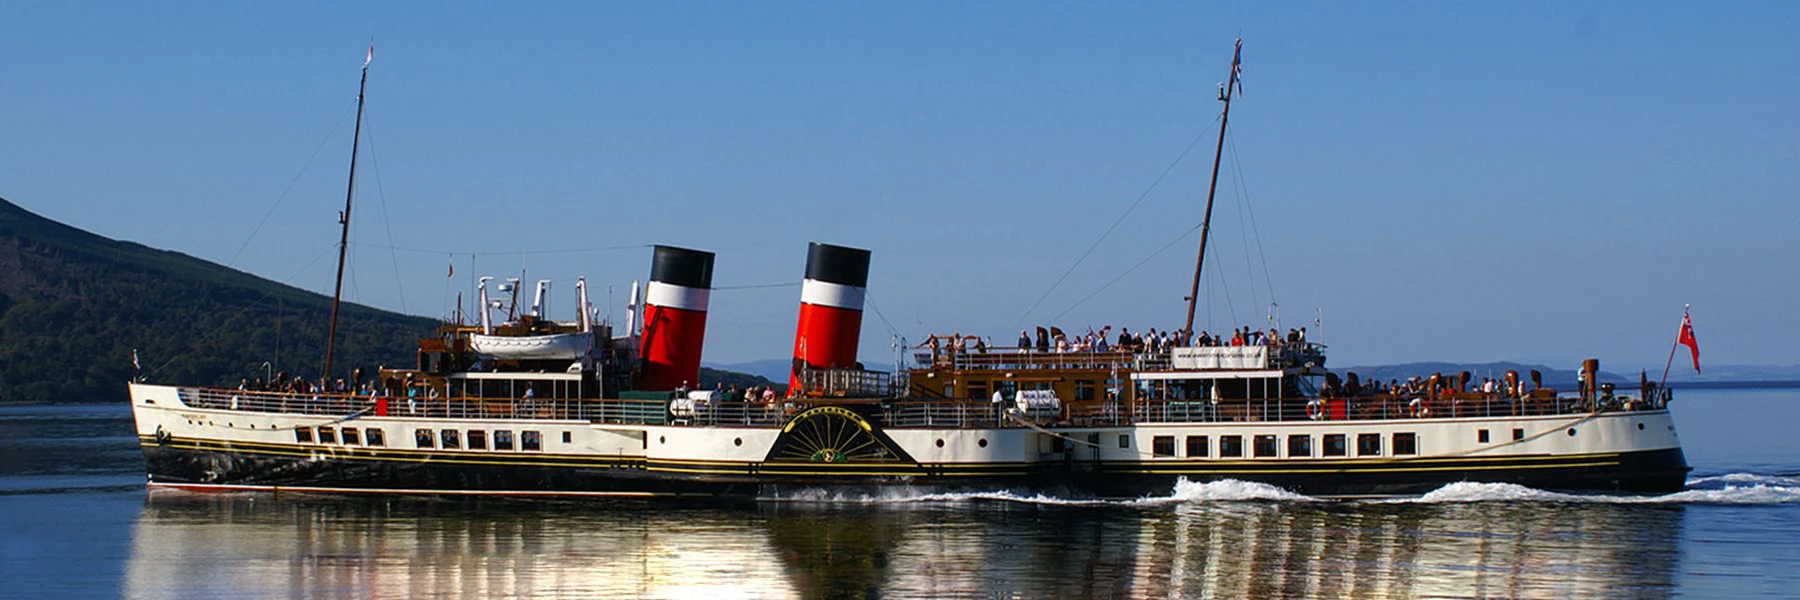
{"x": 487, "y": 326}
{"x": 538, "y": 308}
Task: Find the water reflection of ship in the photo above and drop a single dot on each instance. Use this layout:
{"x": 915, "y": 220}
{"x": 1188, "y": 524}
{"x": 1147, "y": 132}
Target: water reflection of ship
{"x": 335, "y": 546}
{"x": 1434, "y": 550}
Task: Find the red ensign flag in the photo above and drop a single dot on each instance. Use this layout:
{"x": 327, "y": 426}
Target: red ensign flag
{"x": 1687, "y": 339}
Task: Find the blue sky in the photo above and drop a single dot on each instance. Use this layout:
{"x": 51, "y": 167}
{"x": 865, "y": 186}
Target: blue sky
{"x": 1518, "y": 181}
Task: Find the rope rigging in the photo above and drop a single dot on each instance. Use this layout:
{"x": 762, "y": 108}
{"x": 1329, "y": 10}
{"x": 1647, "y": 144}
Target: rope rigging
{"x": 290, "y": 185}
{"x": 1243, "y": 186}
{"x": 1121, "y": 219}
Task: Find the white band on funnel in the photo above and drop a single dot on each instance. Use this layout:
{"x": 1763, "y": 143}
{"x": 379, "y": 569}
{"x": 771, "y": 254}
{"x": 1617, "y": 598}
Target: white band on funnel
{"x": 676, "y": 296}
{"x": 835, "y": 295}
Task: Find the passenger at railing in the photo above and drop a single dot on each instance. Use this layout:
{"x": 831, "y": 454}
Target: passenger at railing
{"x": 1206, "y": 339}
{"x": 1100, "y": 344}
{"x": 1125, "y": 339}
{"x": 731, "y": 393}
{"x": 981, "y": 345}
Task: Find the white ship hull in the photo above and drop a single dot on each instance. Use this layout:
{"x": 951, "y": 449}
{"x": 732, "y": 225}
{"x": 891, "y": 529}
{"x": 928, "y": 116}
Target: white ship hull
{"x": 195, "y": 440}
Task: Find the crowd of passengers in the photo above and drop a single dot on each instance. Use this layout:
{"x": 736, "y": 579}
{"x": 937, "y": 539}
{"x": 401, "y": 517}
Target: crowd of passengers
{"x": 1054, "y": 340}
{"x": 1465, "y": 387}
{"x": 282, "y": 382}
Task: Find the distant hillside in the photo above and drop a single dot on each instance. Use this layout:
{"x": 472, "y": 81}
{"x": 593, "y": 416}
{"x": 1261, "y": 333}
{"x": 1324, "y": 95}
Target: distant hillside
{"x": 73, "y": 305}
{"x": 709, "y": 376}
{"x": 776, "y": 369}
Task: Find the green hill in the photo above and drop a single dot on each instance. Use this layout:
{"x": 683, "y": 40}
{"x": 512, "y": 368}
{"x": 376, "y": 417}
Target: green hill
{"x": 73, "y": 305}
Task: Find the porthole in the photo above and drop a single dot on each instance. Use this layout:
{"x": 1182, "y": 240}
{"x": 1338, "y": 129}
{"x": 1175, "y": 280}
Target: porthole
{"x": 1571, "y": 432}
{"x": 1640, "y": 426}
{"x": 662, "y": 439}
{"x": 981, "y": 442}
{"x": 940, "y": 442}
{"x": 737, "y": 442}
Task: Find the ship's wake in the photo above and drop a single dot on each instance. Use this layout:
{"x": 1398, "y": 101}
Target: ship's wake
{"x": 1728, "y": 489}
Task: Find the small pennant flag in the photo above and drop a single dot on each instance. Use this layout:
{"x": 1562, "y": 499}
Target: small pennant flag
{"x": 452, "y": 268}
{"x": 371, "y": 55}
{"x": 1687, "y": 339}
{"x": 1237, "y": 66}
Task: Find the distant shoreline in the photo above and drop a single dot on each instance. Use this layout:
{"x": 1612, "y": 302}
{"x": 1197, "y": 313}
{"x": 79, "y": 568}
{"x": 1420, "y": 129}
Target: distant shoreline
{"x": 1733, "y": 385}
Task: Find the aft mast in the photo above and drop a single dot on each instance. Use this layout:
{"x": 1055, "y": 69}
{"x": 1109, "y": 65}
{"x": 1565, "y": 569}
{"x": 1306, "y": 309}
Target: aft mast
{"x": 337, "y": 295}
{"x": 1206, "y": 223}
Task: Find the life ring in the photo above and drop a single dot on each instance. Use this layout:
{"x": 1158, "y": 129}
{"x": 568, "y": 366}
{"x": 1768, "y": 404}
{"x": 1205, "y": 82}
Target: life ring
{"x": 1315, "y": 410}
{"x": 1419, "y": 409}
{"x": 162, "y": 436}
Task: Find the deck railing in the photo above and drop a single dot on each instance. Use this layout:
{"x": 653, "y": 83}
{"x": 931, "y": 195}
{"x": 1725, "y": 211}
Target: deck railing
{"x": 900, "y": 413}
{"x": 1011, "y": 358}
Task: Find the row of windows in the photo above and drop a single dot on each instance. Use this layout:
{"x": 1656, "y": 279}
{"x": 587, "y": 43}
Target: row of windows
{"x": 449, "y": 439}
{"x": 373, "y": 436}
{"x": 1298, "y": 445}
{"x": 476, "y": 439}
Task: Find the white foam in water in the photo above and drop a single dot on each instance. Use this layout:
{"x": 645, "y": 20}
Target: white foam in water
{"x": 1756, "y": 493}
{"x": 1227, "y": 490}
{"x": 1744, "y": 478}
{"x": 1732, "y": 488}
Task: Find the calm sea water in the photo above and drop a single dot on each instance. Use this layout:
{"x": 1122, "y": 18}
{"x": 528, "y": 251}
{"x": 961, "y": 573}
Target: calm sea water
{"x": 76, "y": 521}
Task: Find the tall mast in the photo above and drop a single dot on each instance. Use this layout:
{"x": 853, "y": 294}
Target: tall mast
{"x": 1206, "y": 223}
{"x": 337, "y": 296}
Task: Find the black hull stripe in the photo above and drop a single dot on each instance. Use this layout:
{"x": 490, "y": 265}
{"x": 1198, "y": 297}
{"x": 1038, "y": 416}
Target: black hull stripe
{"x": 533, "y": 458}
{"x": 337, "y": 456}
{"x": 1661, "y": 471}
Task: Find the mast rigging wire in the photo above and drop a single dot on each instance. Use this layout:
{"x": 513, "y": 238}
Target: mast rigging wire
{"x": 509, "y": 252}
{"x": 1128, "y": 271}
{"x": 1115, "y": 224}
{"x": 1243, "y": 235}
{"x": 290, "y": 187}
{"x": 386, "y": 222}
{"x": 1238, "y": 166}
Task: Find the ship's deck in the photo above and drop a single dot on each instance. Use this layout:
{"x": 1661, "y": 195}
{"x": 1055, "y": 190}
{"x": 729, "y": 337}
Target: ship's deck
{"x": 909, "y": 412}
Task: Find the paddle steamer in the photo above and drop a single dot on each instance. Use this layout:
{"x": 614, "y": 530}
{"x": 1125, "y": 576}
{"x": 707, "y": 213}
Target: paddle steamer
{"x": 527, "y": 405}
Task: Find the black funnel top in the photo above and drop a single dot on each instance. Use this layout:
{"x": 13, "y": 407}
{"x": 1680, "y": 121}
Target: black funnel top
{"x": 837, "y": 264}
{"x": 683, "y": 267}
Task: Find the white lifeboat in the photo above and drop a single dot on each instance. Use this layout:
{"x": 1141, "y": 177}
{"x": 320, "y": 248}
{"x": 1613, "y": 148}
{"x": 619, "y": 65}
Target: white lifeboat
{"x": 532, "y": 347}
